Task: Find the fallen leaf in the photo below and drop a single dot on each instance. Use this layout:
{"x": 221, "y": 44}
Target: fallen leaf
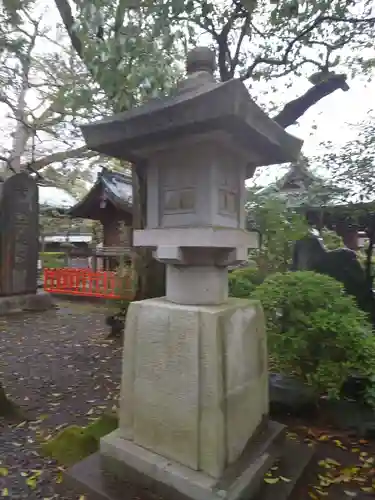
{"x": 5, "y": 492}
{"x": 339, "y": 444}
{"x": 31, "y": 482}
{"x": 313, "y": 496}
{"x": 3, "y": 471}
{"x": 324, "y": 437}
{"x": 285, "y": 479}
{"x": 271, "y": 480}
{"x": 321, "y": 492}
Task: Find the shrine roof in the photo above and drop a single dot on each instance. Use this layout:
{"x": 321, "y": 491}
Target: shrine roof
{"x": 110, "y": 187}
{"x": 299, "y": 187}
{"x": 52, "y": 197}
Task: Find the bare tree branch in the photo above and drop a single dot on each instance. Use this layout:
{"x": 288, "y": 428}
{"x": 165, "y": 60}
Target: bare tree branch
{"x": 236, "y": 57}
{"x": 40, "y": 163}
{"x": 68, "y": 20}
{"x": 5, "y": 100}
{"x": 120, "y": 15}
{"x": 22, "y": 131}
{"x": 285, "y": 58}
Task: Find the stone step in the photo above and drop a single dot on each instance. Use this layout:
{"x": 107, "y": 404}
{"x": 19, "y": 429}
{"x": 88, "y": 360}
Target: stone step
{"x": 242, "y": 480}
{"x": 294, "y": 461}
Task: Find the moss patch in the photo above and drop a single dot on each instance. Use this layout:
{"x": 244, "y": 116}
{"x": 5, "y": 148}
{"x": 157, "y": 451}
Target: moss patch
{"x": 76, "y": 443}
{"x": 8, "y": 410}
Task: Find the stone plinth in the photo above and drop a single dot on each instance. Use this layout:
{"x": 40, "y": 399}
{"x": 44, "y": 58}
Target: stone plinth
{"x": 194, "y": 386}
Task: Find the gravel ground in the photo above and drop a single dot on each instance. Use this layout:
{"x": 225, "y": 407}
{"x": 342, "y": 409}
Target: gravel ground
{"x": 60, "y": 369}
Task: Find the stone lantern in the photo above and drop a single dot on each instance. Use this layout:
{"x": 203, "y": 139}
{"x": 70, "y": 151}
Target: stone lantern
{"x": 194, "y": 392}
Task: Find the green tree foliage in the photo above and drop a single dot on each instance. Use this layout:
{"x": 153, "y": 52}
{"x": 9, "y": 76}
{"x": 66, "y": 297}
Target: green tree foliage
{"x": 130, "y": 54}
{"x": 279, "y": 229}
{"x": 331, "y": 239}
{"x": 315, "y": 331}
{"x": 120, "y": 42}
{"x": 125, "y": 51}
{"x": 41, "y": 86}
{"x": 353, "y": 164}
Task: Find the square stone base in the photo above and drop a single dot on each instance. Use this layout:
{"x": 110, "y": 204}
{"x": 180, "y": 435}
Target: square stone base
{"x": 125, "y": 470}
{"x": 39, "y": 301}
{"x": 170, "y": 479}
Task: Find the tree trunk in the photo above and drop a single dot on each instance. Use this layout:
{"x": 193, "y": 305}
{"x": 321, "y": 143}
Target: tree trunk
{"x": 150, "y": 272}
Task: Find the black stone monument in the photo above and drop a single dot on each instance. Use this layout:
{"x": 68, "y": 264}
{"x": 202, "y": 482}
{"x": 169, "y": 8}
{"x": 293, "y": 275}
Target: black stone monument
{"x": 19, "y": 235}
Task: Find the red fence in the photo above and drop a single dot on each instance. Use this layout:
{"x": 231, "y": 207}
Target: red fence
{"x": 87, "y": 283}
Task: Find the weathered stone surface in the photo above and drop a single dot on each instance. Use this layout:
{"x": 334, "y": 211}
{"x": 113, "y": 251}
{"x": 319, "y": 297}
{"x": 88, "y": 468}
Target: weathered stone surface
{"x": 174, "y": 480}
{"x": 19, "y": 235}
{"x": 195, "y": 384}
{"x": 137, "y": 473}
{"x": 199, "y": 285}
{"x": 40, "y": 301}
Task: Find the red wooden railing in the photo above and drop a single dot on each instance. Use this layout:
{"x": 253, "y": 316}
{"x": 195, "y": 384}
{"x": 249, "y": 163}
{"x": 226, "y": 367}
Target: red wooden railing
{"x": 87, "y": 283}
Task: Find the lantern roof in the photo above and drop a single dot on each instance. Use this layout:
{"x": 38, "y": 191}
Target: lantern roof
{"x": 199, "y": 105}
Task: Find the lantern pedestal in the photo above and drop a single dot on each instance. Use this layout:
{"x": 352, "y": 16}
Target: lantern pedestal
{"x": 194, "y": 398}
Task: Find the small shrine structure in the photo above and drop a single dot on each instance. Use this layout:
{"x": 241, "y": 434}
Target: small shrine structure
{"x": 322, "y": 204}
{"x": 109, "y": 201}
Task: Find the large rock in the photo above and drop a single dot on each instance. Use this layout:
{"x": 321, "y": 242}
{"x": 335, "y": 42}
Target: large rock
{"x": 40, "y": 301}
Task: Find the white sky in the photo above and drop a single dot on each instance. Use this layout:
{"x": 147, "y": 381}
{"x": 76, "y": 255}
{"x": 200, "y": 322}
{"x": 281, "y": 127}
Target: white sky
{"x": 332, "y": 116}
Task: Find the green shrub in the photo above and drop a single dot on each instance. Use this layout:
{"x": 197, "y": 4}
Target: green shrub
{"x": 53, "y": 260}
{"x": 315, "y": 331}
{"x": 243, "y": 281}
{"x": 280, "y": 227}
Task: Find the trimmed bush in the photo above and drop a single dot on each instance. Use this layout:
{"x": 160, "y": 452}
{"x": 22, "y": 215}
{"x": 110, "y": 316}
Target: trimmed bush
{"x": 315, "y": 331}
{"x": 243, "y": 281}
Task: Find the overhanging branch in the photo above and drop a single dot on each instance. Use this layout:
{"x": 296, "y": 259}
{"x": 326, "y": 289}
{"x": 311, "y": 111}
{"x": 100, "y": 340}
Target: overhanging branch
{"x": 40, "y": 163}
{"x": 296, "y": 108}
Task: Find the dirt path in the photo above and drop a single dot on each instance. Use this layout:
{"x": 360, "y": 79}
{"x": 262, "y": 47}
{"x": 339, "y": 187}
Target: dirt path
{"x": 58, "y": 367}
